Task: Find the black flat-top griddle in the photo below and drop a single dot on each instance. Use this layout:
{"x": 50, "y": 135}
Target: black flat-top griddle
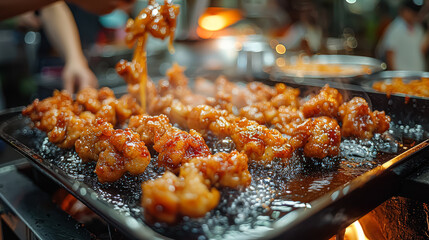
{"x": 307, "y": 199}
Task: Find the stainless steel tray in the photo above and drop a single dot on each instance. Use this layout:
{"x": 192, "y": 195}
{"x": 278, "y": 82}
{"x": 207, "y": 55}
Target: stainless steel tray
{"x": 355, "y": 62}
{"x": 305, "y": 200}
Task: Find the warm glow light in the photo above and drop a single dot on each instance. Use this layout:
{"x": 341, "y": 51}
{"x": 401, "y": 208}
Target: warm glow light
{"x": 215, "y": 19}
{"x": 213, "y": 23}
{"x": 273, "y": 43}
{"x": 280, "y": 62}
{"x": 280, "y": 49}
{"x": 355, "y": 229}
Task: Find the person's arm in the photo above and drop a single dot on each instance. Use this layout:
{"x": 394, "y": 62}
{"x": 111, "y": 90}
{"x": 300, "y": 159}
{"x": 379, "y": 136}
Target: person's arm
{"x": 62, "y": 32}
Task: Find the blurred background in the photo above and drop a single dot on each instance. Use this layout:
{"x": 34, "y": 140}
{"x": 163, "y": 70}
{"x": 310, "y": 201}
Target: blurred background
{"x": 251, "y": 37}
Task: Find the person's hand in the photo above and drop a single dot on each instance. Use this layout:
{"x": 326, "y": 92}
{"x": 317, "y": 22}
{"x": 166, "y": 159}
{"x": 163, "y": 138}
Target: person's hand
{"x": 101, "y": 6}
{"x": 77, "y": 76}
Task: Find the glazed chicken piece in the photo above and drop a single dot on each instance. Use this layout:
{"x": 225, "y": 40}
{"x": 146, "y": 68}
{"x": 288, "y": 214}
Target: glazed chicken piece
{"x": 157, "y": 20}
{"x": 203, "y": 118}
{"x": 261, "y": 112}
{"x": 104, "y": 104}
{"x": 170, "y": 197}
{"x": 230, "y": 95}
{"x": 125, "y": 107}
{"x": 259, "y": 142}
{"x": 44, "y": 112}
{"x": 319, "y": 137}
{"x": 116, "y": 151}
{"x": 223, "y": 169}
{"x": 124, "y": 153}
{"x": 68, "y": 128}
{"x": 359, "y": 121}
{"x": 326, "y": 103}
{"x": 129, "y": 71}
{"x": 93, "y": 140}
{"x": 149, "y": 127}
{"x": 176, "y": 147}
{"x": 266, "y": 112}
{"x": 285, "y": 96}
{"x": 287, "y": 119}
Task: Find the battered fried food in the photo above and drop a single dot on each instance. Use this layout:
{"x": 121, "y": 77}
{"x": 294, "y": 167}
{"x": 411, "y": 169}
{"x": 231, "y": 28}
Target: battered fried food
{"x": 149, "y": 127}
{"x": 287, "y": 119}
{"x": 44, "y": 113}
{"x": 68, "y": 128}
{"x": 285, "y": 96}
{"x": 262, "y": 112}
{"x": 124, "y": 153}
{"x": 93, "y": 140}
{"x": 359, "y": 121}
{"x": 169, "y": 197}
{"x": 116, "y": 151}
{"x": 176, "y": 147}
{"x": 319, "y": 137}
{"x": 223, "y": 169}
{"x": 259, "y": 142}
{"x": 326, "y": 103}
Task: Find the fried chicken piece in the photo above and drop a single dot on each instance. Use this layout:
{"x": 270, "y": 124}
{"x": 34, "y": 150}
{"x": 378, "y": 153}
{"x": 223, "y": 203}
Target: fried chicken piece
{"x": 285, "y": 96}
{"x": 125, "y": 152}
{"x": 178, "y": 112}
{"x": 116, "y": 151}
{"x": 149, "y": 127}
{"x": 108, "y": 112}
{"x": 260, "y": 91}
{"x": 93, "y": 140}
{"x": 203, "y": 118}
{"x": 92, "y": 99}
{"x": 287, "y": 119}
{"x": 68, "y": 129}
{"x": 326, "y": 103}
{"x": 359, "y": 121}
{"x": 261, "y": 112}
{"x": 259, "y": 142}
{"x": 88, "y": 98}
{"x": 127, "y": 106}
{"x": 319, "y": 137}
{"x": 223, "y": 169}
{"x": 158, "y": 20}
{"x": 129, "y": 71}
{"x": 44, "y": 112}
{"x": 176, "y": 147}
{"x": 169, "y": 197}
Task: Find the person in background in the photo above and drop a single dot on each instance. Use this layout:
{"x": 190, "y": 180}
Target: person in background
{"x": 404, "y": 42}
{"x": 10, "y": 8}
{"x": 305, "y": 34}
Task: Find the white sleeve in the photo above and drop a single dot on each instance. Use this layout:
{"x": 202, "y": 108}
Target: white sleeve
{"x": 391, "y": 39}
